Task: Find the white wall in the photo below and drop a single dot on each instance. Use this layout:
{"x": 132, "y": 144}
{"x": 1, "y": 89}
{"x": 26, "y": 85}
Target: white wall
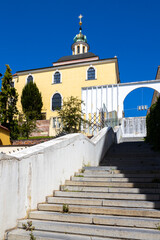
{"x": 27, "y": 177}
{"x": 112, "y": 96}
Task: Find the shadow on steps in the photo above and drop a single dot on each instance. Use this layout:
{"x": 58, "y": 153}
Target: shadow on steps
{"x": 140, "y": 166}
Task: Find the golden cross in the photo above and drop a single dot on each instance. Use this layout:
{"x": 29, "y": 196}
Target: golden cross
{"x": 80, "y": 17}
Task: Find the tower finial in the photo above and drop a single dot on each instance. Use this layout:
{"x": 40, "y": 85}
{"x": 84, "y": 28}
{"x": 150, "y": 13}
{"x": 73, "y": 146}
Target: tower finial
{"x": 80, "y": 22}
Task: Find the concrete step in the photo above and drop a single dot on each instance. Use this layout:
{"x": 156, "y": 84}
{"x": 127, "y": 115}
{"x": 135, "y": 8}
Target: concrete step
{"x": 112, "y": 184}
{"x": 132, "y": 162}
{"x": 77, "y": 201}
{"x": 113, "y": 179}
{"x": 95, "y": 230}
{"x": 109, "y": 189}
{"x": 98, "y": 202}
{"x": 122, "y": 168}
{"x": 115, "y": 171}
{"x": 96, "y": 219}
{"x": 20, "y": 234}
{"x": 129, "y": 196}
{"x": 120, "y": 175}
{"x": 117, "y": 211}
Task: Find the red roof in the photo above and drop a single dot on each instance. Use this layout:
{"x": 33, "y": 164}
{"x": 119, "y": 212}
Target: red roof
{"x": 4, "y": 128}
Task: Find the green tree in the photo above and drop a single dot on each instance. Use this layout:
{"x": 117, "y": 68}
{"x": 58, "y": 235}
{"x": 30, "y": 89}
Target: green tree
{"x": 71, "y": 115}
{"x": 26, "y": 125}
{"x": 153, "y": 125}
{"x": 8, "y": 101}
{"x": 31, "y": 101}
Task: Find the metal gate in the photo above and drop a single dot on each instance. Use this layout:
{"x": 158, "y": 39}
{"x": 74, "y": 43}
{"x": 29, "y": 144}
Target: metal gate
{"x": 134, "y": 127}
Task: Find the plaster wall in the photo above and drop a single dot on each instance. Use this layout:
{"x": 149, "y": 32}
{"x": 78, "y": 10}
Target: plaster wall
{"x": 27, "y": 177}
{"x": 73, "y": 79}
{"x": 5, "y": 137}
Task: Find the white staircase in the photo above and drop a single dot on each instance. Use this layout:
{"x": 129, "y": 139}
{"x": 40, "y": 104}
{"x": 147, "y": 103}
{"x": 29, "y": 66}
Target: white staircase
{"x": 118, "y": 200}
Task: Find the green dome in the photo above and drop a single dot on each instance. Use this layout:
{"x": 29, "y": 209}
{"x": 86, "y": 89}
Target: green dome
{"x": 80, "y": 37}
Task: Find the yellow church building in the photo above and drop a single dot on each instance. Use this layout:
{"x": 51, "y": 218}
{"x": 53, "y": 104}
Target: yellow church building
{"x": 67, "y": 76}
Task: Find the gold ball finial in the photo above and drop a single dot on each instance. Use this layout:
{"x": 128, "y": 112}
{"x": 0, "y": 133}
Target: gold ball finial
{"x": 80, "y": 17}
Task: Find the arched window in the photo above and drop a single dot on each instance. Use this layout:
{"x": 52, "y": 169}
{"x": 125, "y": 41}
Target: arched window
{"x": 29, "y": 79}
{"x": 57, "y": 77}
{"x": 56, "y": 101}
{"x": 91, "y": 73}
{"x": 78, "y": 49}
{"x": 83, "y": 49}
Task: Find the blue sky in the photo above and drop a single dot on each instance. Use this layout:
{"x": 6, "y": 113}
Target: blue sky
{"x": 35, "y": 33}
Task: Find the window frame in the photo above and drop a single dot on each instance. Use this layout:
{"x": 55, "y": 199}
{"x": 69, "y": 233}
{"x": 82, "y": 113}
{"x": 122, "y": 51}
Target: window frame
{"x": 57, "y": 71}
{"x": 28, "y": 76}
{"x": 91, "y": 66}
{"x": 52, "y": 98}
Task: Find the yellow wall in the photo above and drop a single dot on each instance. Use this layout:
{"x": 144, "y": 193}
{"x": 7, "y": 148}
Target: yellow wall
{"x": 73, "y": 79}
{"x": 4, "y": 137}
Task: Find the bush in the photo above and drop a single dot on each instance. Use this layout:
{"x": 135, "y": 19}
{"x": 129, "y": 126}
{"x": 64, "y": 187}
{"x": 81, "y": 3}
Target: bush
{"x": 153, "y": 125}
{"x": 71, "y": 115}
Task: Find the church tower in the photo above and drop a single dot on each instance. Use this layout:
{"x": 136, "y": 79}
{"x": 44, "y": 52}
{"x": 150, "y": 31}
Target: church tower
{"x": 80, "y": 44}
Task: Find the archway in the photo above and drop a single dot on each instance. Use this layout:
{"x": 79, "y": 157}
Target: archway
{"x": 136, "y": 105}
{"x": 137, "y": 102}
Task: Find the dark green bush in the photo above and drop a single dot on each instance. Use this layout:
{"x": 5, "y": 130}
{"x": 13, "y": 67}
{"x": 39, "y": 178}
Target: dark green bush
{"x": 153, "y": 125}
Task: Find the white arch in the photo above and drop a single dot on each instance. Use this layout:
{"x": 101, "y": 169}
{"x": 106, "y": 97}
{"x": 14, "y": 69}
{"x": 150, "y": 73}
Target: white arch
{"x": 125, "y": 89}
{"x": 113, "y": 95}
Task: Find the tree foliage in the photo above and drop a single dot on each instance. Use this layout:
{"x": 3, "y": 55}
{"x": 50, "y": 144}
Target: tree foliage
{"x": 26, "y": 125}
{"x": 31, "y": 101}
{"x": 71, "y": 115}
{"x": 153, "y": 125}
{"x": 8, "y": 101}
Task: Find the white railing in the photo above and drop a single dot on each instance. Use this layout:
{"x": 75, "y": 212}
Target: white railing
{"x": 134, "y": 127}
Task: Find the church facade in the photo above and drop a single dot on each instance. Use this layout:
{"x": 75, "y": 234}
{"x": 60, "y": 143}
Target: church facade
{"x": 67, "y": 76}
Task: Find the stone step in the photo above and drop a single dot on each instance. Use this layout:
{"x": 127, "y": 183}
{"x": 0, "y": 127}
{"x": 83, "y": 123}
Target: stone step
{"x": 122, "y": 168}
{"x": 95, "y": 230}
{"x": 20, "y": 234}
{"x": 113, "y": 179}
{"x": 109, "y": 189}
{"x": 116, "y": 175}
{"x": 96, "y": 219}
{"x": 130, "y": 162}
{"x": 98, "y": 202}
{"x": 112, "y": 184}
{"x": 77, "y": 201}
{"x": 115, "y": 171}
{"x": 117, "y": 211}
{"x": 129, "y": 196}
{"x": 105, "y": 210}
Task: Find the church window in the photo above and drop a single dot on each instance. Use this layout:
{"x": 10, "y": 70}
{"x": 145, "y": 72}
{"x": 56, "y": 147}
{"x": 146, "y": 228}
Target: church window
{"x": 29, "y": 79}
{"x": 56, "y": 101}
{"x": 57, "y": 77}
{"x": 12, "y": 84}
{"x": 78, "y": 49}
{"x": 83, "y": 49}
{"x": 91, "y": 73}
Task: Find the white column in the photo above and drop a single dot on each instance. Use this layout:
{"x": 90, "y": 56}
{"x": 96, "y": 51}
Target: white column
{"x": 75, "y": 50}
{"x": 81, "y": 48}
{"x": 117, "y": 100}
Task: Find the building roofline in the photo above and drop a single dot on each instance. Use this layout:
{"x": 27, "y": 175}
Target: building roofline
{"x": 4, "y": 128}
{"x": 67, "y": 65}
